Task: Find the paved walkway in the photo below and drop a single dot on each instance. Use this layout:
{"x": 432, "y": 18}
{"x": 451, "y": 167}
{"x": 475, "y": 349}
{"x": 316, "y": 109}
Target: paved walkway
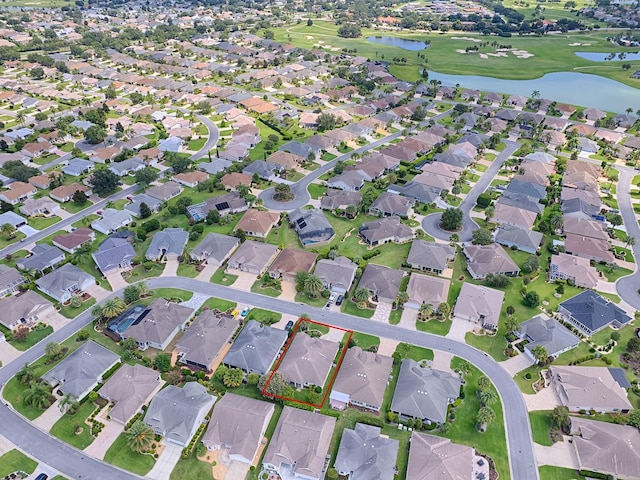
{"x": 560, "y": 454}
{"x": 166, "y": 462}
{"x": 408, "y": 318}
{"x": 459, "y": 329}
{"x": 170, "y": 268}
{"x": 442, "y": 361}
{"x": 107, "y": 436}
{"x": 516, "y": 364}
{"x": 196, "y": 301}
{"x": 383, "y": 310}
{"x": 50, "y": 416}
{"x": 545, "y": 399}
{"x": 208, "y": 271}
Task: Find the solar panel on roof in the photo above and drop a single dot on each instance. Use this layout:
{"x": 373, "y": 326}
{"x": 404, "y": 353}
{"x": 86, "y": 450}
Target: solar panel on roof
{"x": 222, "y": 206}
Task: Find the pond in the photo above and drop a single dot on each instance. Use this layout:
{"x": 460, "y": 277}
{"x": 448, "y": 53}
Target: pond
{"x": 566, "y": 87}
{"x": 411, "y": 45}
{"x": 608, "y": 57}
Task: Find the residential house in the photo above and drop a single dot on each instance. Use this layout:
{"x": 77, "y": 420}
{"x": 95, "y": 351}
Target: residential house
{"x": 424, "y": 393}
{"x": 512, "y": 236}
{"x": 485, "y": 259}
{"x": 168, "y": 243}
{"x": 205, "y": 339}
{"x": 576, "y": 270}
{"x": 527, "y": 188}
{"x": 77, "y": 167}
{"x": 366, "y": 454}
{"x": 25, "y": 309}
{"x": 256, "y": 348}
{"x": 231, "y": 181}
{"x": 131, "y": 387}
{"x": 44, "y": 207}
{"x": 383, "y": 282}
{"x": 253, "y": 257}
{"x": 602, "y": 389}
{"x": 10, "y": 280}
{"x": 606, "y": 448}
{"x": 339, "y": 199}
{"x": 215, "y": 248}
{"x": 521, "y": 201}
{"x": 237, "y": 427}
{"x": 265, "y": 170}
{"x": 81, "y": 371}
{"x": 72, "y": 241}
{"x": 114, "y": 255}
{"x": 288, "y": 160}
{"x": 127, "y": 167}
{"x": 312, "y": 226}
{"x": 64, "y": 193}
{"x": 437, "y": 458}
{"x": 337, "y": 275}
{"x": 111, "y": 221}
{"x": 349, "y": 180}
{"x": 361, "y": 380}
{"x": 585, "y": 228}
{"x": 17, "y": 192}
{"x": 388, "y": 229}
{"x": 426, "y": 289}
{"x": 224, "y": 204}
{"x": 388, "y": 204}
{"x": 177, "y": 413}
{"x": 42, "y": 257}
{"x": 430, "y": 256}
{"x": 161, "y": 322}
{"x": 191, "y": 179}
{"x": 542, "y": 331}
{"x": 590, "y": 312}
{"x": 508, "y": 215}
{"x": 308, "y": 360}
{"x": 136, "y": 203}
{"x": 586, "y": 247}
{"x": 577, "y": 207}
{"x": 290, "y": 262}
{"x": 479, "y": 304}
{"x": 165, "y": 191}
{"x": 65, "y": 282}
{"x": 258, "y": 223}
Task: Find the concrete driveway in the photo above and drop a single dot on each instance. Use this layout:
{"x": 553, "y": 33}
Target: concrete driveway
{"x": 442, "y": 361}
{"x": 245, "y": 280}
{"x": 459, "y": 329}
{"x": 387, "y": 346}
{"x": 409, "y": 318}
{"x": 56, "y": 320}
{"x": 560, "y": 454}
{"x": 237, "y": 471}
{"x": 206, "y": 273}
{"x": 545, "y": 399}
{"x": 383, "y": 310}
{"x": 166, "y": 462}
{"x": 170, "y": 268}
{"x": 288, "y": 291}
{"x": 517, "y": 364}
{"x": 107, "y": 436}
{"x": 8, "y": 353}
{"x": 98, "y": 292}
{"x": 116, "y": 281}
{"x": 50, "y": 416}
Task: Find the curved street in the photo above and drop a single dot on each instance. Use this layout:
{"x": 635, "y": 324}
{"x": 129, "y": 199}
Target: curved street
{"x": 78, "y": 465}
{"x": 627, "y": 287}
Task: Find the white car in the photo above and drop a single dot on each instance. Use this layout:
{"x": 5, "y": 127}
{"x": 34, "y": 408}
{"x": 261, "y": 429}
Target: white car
{"x": 332, "y": 297}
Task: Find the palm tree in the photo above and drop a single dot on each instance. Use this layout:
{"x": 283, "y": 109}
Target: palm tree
{"x": 489, "y": 212}
{"x": 485, "y": 416}
{"x": 464, "y": 368}
{"x": 52, "y": 349}
{"x": 7, "y": 230}
{"x": 37, "y": 395}
{"x": 444, "y": 309}
{"x": 20, "y": 118}
{"x": 511, "y": 324}
{"x": 484, "y": 383}
{"x": 425, "y": 311}
{"x": 402, "y": 298}
{"x": 361, "y": 295}
{"x": 113, "y": 307}
{"x": 539, "y": 353}
{"x": 26, "y": 374}
{"x": 139, "y": 437}
{"x": 143, "y": 289}
{"x": 556, "y": 222}
{"x": 67, "y": 404}
{"x": 351, "y": 211}
{"x": 488, "y": 397}
{"x": 631, "y": 241}
{"x": 313, "y": 285}
{"x": 97, "y": 312}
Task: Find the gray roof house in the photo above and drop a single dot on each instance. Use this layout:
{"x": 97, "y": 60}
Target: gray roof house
{"x": 312, "y": 226}
{"x": 111, "y": 220}
{"x": 512, "y": 236}
{"x": 114, "y": 254}
{"x": 65, "y": 282}
{"x": 134, "y": 207}
{"x": 334, "y": 199}
{"x": 253, "y": 257}
{"x": 215, "y": 248}
{"x": 308, "y": 360}
{"x": 437, "y": 458}
{"x": 426, "y": 289}
{"x": 237, "y": 427}
{"x": 361, "y": 380}
{"x": 24, "y": 309}
{"x": 430, "y": 256}
{"x": 383, "y": 230}
{"x": 77, "y": 167}
{"x": 204, "y": 339}
{"x": 80, "y": 372}
{"x": 13, "y": 218}
{"x": 168, "y": 243}
{"x": 424, "y": 393}
{"x": 126, "y": 167}
{"x": 176, "y": 413}
{"x": 382, "y": 282}
{"x": 548, "y": 333}
{"x": 256, "y": 348}
{"x": 131, "y": 387}
{"x": 349, "y": 181}
{"x": 388, "y": 204}
{"x": 527, "y": 188}
{"x": 159, "y": 325}
{"x": 165, "y": 191}
{"x": 299, "y": 444}
{"x": 337, "y": 275}
{"x": 265, "y": 170}
{"x": 485, "y": 259}
{"x": 479, "y": 304}
{"x": 365, "y": 454}
{"x": 224, "y": 204}
{"x": 521, "y": 201}
{"x": 42, "y": 256}
{"x": 590, "y": 312}
{"x": 417, "y": 191}
{"x": 10, "y": 280}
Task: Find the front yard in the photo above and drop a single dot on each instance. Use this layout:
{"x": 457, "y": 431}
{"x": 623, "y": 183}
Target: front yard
{"x": 120, "y": 455}
{"x": 73, "y": 430}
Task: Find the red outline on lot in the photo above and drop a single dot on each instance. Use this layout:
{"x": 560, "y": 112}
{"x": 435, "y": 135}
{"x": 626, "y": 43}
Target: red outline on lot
{"x": 294, "y": 332}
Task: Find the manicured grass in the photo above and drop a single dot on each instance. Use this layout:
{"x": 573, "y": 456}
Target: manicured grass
{"x": 611, "y": 296}
{"x": 540, "y": 424}
{"x": 141, "y": 273}
{"x": 351, "y": 308}
{"x": 169, "y": 293}
{"x": 13, "y": 394}
{"x": 196, "y": 144}
{"x": 59, "y": 477}
{"x": 219, "y": 304}
{"x": 625, "y": 253}
{"x": 187, "y": 270}
{"x": 314, "y": 302}
{"x": 365, "y": 341}
{"x": 548, "y": 472}
{"x": 326, "y": 156}
{"x": 526, "y": 384}
{"x": 259, "y": 287}
{"x": 34, "y": 337}
{"x": 284, "y": 236}
{"x": 434, "y": 326}
{"x": 264, "y": 316}
{"x": 71, "y": 312}
{"x": 120, "y": 455}
{"x": 14, "y": 460}
{"x": 222, "y": 278}
{"x": 40, "y": 223}
{"x": 417, "y": 353}
{"x": 613, "y": 273}
{"x": 65, "y": 428}
{"x": 316, "y": 191}
{"x": 395, "y": 316}
{"x": 73, "y": 207}
{"x": 192, "y": 469}
{"x": 5, "y": 242}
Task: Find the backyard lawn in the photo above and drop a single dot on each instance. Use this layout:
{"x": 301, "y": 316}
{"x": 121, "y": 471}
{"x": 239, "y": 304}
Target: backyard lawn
{"x": 65, "y": 428}
{"x": 13, "y": 461}
{"x": 120, "y": 455}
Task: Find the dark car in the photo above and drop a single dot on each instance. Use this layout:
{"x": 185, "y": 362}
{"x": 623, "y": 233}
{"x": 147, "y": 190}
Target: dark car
{"x": 42, "y": 476}
{"x": 339, "y": 300}
{"x": 289, "y": 325}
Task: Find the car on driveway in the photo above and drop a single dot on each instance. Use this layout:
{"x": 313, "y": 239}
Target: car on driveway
{"x": 328, "y": 306}
{"x": 332, "y": 297}
{"x": 289, "y": 325}
{"x": 245, "y": 312}
{"x": 339, "y": 300}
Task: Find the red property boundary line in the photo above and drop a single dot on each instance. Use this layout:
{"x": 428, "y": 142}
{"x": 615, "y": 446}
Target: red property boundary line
{"x": 286, "y": 349}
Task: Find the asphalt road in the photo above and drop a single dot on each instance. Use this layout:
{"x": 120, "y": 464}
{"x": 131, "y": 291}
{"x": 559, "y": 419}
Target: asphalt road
{"x": 214, "y": 134}
{"x": 431, "y": 223}
{"x": 75, "y": 464}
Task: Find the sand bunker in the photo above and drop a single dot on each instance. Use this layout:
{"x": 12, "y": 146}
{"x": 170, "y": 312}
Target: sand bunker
{"x": 483, "y": 55}
{"x": 500, "y": 53}
{"x": 578, "y": 44}
{"x": 522, "y": 54}
{"x": 309, "y": 37}
{"x": 466, "y": 38}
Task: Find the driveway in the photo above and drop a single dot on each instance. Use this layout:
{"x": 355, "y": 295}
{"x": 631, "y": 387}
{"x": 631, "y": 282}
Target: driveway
{"x": 560, "y": 454}
{"x": 459, "y": 329}
{"x": 107, "y": 436}
{"x": 237, "y": 471}
{"x": 288, "y": 291}
{"x": 409, "y": 318}
{"x": 207, "y": 272}
{"x": 442, "y": 361}
{"x": 27, "y": 230}
{"x": 545, "y": 399}
{"x": 170, "y": 268}
{"x": 98, "y": 292}
{"x": 56, "y": 320}
{"x": 8, "y": 353}
{"x": 383, "y": 310}
{"x": 517, "y": 364}
{"x": 245, "y": 280}
{"x": 166, "y": 462}
{"x": 116, "y": 281}
{"x": 50, "y": 416}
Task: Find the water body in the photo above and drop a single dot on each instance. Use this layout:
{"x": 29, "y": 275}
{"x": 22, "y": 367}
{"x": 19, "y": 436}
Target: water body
{"x": 565, "y": 87}
{"x": 608, "y": 57}
{"x": 411, "y": 45}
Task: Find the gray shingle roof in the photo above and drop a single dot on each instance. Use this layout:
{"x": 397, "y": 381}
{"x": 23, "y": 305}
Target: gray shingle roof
{"x": 43, "y": 256}
{"x": 205, "y": 338}
{"x": 215, "y": 247}
{"x": 594, "y": 311}
{"x": 256, "y": 348}
{"x": 112, "y": 253}
{"x": 367, "y": 455}
{"x": 170, "y": 241}
{"x": 548, "y": 333}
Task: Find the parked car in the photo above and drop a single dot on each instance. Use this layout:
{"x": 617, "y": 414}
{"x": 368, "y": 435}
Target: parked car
{"x": 328, "y": 306}
{"x": 42, "y": 476}
{"x": 245, "y": 312}
{"x": 339, "y": 300}
{"x": 289, "y": 325}
{"x": 332, "y": 297}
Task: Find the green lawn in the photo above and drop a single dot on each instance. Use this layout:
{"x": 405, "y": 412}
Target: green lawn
{"x": 365, "y": 341}
{"x": 351, "y": 308}
{"x": 40, "y": 223}
{"x": 558, "y": 473}
{"x": 540, "y": 425}
{"x": 219, "y": 304}
{"x": 141, "y": 273}
{"x": 14, "y": 460}
{"x": 284, "y": 236}
{"x": 120, "y": 455}
{"x": 197, "y": 144}
{"x": 223, "y": 278}
{"x": 526, "y": 384}
{"x": 70, "y": 312}
{"x": 34, "y": 337}
{"x": 264, "y": 316}
{"x": 73, "y": 207}
{"x": 187, "y": 270}
{"x": 191, "y": 469}
{"x": 314, "y": 302}
{"x": 17, "y": 236}
{"x": 613, "y": 272}
{"x": 261, "y": 288}
{"x": 65, "y": 428}
{"x": 170, "y": 293}
{"x": 316, "y": 191}
{"x": 434, "y": 326}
